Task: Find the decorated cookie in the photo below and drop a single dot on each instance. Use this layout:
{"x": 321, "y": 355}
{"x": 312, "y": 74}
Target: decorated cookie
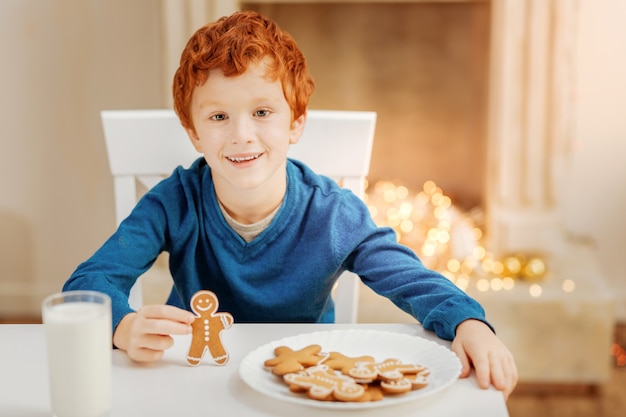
{"x": 408, "y": 382}
{"x": 390, "y": 369}
{"x": 340, "y": 362}
{"x": 395, "y": 386}
{"x": 322, "y": 383}
{"x": 288, "y": 360}
{"x": 207, "y": 328}
{"x": 419, "y": 380}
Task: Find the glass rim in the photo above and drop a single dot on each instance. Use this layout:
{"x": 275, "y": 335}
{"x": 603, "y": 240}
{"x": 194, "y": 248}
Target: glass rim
{"x": 77, "y": 296}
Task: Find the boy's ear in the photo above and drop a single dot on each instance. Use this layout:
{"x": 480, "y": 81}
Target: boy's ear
{"x": 297, "y": 127}
{"x": 195, "y": 140}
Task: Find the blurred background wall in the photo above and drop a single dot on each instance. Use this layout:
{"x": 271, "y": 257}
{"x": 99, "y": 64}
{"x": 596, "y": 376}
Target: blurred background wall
{"x": 65, "y": 60}
{"x": 62, "y": 62}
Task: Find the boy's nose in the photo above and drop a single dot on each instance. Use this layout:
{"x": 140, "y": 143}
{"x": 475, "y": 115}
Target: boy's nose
{"x": 241, "y": 130}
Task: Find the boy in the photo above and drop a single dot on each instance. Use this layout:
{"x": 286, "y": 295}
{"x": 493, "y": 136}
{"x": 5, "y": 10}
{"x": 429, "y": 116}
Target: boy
{"x": 265, "y": 233}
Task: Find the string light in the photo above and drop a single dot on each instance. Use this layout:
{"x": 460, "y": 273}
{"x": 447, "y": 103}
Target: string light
{"x": 449, "y": 240}
{"x": 568, "y": 285}
{"x": 535, "y": 290}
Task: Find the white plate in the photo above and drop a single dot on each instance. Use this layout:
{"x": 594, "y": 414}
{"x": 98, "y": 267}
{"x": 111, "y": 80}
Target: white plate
{"x": 444, "y": 365}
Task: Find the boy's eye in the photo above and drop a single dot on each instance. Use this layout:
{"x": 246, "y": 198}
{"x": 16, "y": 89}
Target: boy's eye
{"x": 218, "y": 117}
{"x": 262, "y": 113}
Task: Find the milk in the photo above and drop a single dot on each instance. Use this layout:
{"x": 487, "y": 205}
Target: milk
{"x": 78, "y": 337}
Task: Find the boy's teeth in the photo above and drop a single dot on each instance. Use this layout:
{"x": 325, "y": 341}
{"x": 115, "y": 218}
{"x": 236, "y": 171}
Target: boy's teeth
{"x": 247, "y": 158}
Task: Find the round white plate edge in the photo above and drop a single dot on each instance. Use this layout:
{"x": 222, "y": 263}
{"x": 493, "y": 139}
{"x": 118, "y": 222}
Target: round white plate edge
{"x": 252, "y": 365}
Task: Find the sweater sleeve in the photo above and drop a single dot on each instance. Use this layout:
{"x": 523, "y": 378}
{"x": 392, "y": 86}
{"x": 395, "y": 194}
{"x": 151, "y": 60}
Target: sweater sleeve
{"x": 394, "y": 271}
{"x": 128, "y": 253}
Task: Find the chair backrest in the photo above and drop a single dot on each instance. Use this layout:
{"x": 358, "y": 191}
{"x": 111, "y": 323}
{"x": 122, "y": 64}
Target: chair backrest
{"x": 144, "y": 146}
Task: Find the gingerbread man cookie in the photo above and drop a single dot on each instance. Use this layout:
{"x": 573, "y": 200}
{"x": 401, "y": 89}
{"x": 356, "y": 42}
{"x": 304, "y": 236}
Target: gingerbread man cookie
{"x": 321, "y": 383}
{"x": 207, "y": 328}
{"x": 288, "y": 360}
{"x": 390, "y": 369}
{"x": 340, "y": 362}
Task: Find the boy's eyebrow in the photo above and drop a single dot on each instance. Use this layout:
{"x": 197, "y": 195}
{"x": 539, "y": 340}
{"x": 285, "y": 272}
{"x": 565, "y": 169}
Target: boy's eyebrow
{"x": 257, "y": 101}
{"x": 208, "y": 103}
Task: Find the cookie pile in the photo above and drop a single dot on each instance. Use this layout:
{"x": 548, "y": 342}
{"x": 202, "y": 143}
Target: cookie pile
{"x": 336, "y": 377}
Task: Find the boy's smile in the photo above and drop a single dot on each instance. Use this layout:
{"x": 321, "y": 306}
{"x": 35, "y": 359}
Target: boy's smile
{"x": 243, "y": 128}
{"x": 243, "y": 158}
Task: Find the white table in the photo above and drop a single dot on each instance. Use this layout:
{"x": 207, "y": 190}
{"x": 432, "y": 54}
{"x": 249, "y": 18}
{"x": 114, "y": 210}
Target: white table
{"x": 173, "y": 388}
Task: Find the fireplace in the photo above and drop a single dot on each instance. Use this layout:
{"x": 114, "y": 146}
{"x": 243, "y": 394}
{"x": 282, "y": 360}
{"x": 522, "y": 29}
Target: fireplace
{"x": 423, "y": 67}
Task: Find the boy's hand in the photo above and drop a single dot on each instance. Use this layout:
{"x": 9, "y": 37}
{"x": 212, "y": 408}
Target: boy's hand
{"x": 476, "y": 345}
{"x": 145, "y": 335}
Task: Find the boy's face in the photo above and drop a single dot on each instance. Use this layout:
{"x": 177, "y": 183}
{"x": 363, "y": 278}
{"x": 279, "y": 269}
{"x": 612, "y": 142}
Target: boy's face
{"x": 243, "y": 128}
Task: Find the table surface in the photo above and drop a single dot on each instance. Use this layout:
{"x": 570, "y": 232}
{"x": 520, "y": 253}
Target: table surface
{"x": 171, "y": 387}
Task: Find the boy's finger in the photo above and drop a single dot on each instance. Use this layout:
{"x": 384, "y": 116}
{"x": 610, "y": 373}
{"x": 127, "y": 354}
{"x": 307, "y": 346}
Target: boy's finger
{"x": 157, "y": 342}
{"x": 465, "y": 363}
{"x": 483, "y": 372}
{"x": 146, "y": 355}
{"x": 173, "y": 327}
{"x": 497, "y": 376}
{"x": 167, "y": 312}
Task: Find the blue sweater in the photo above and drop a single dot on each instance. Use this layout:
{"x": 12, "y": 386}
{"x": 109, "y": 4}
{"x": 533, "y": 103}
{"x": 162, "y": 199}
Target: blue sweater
{"x": 285, "y": 274}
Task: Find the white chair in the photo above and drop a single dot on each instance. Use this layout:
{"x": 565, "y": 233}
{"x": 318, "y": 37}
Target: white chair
{"x": 144, "y": 146}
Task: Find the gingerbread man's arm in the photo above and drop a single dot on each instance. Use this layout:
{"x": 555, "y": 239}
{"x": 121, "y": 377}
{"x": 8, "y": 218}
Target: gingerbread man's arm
{"x": 227, "y": 320}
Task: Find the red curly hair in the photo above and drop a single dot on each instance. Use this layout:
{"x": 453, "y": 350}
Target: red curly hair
{"x": 231, "y": 44}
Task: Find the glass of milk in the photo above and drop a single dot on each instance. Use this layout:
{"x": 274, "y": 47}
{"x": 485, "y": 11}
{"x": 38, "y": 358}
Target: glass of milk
{"x": 79, "y": 344}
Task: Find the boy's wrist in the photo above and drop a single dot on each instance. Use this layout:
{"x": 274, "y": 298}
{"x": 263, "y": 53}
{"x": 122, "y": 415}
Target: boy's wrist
{"x": 121, "y": 336}
{"x": 469, "y": 323}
